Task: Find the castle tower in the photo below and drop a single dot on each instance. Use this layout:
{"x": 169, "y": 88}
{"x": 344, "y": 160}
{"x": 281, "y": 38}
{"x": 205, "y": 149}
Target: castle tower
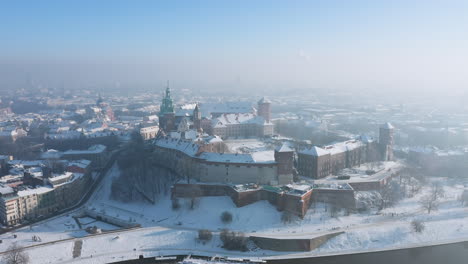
{"x": 166, "y": 113}
{"x": 386, "y": 132}
{"x": 99, "y": 100}
{"x": 197, "y": 118}
{"x": 284, "y": 158}
{"x": 264, "y": 109}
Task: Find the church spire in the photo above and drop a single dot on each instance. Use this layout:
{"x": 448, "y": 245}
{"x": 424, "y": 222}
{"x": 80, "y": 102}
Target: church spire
{"x": 167, "y": 103}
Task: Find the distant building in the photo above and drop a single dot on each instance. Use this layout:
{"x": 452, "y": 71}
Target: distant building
{"x": 97, "y": 154}
{"x": 318, "y": 162}
{"x": 386, "y": 141}
{"x": 11, "y": 134}
{"x": 149, "y": 132}
{"x": 27, "y": 203}
{"x": 241, "y": 126}
{"x": 41, "y": 187}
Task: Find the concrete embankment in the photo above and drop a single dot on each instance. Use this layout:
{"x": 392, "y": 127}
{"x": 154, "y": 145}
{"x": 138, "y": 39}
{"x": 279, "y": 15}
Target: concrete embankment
{"x": 292, "y": 244}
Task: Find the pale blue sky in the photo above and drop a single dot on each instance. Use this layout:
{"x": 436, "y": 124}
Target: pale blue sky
{"x": 331, "y": 44}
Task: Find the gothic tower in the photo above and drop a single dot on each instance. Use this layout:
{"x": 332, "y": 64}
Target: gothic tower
{"x": 166, "y": 113}
{"x": 197, "y": 118}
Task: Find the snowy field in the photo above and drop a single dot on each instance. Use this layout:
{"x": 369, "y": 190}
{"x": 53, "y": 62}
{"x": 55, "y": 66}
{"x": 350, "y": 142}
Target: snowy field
{"x": 165, "y": 231}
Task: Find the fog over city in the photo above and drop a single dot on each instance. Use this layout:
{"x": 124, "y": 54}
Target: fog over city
{"x": 411, "y": 47}
{"x": 208, "y": 132}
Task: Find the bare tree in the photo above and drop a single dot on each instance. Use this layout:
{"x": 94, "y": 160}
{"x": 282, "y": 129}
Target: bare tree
{"x": 15, "y": 255}
{"x": 430, "y": 202}
{"x": 438, "y": 190}
{"x": 391, "y": 194}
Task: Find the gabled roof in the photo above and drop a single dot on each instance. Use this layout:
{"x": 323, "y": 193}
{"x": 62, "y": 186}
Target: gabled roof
{"x": 264, "y": 101}
{"x": 315, "y": 151}
{"x": 285, "y": 147}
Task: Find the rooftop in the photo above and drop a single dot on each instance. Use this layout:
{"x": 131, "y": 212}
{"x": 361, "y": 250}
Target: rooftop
{"x": 387, "y": 126}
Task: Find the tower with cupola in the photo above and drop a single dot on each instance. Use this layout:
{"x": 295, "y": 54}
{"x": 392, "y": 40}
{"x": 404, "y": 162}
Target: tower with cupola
{"x": 166, "y": 113}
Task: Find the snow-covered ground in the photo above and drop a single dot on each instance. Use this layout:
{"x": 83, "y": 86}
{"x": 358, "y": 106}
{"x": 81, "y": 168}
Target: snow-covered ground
{"x": 247, "y": 145}
{"x": 165, "y": 231}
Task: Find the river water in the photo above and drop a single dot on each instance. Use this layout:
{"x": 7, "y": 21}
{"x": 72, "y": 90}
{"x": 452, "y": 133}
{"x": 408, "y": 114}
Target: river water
{"x": 456, "y": 253}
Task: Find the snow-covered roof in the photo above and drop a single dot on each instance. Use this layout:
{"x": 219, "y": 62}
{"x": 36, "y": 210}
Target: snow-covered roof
{"x": 80, "y": 163}
{"x": 264, "y": 101}
{"x": 387, "y": 126}
{"x": 185, "y": 146}
{"x": 210, "y": 139}
{"x": 94, "y": 149}
{"x": 190, "y": 134}
{"x": 285, "y": 147}
{"x": 38, "y": 190}
{"x": 35, "y": 171}
{"x": 26, "y": 163}
{"x": 314, "y": 151}
{"x": 233, "y": 119}
{"x": 5, "y": 189}
{"x": 56, "y": 178}
{"x": 51, "y": 154}
{"x": 336, "y": 148}
{"x": 262, "y": 157}
{"x": 367, "y": 139}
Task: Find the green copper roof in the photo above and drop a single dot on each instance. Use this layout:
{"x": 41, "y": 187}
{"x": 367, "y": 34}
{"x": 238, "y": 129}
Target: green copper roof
{"x": 166, "y": 105}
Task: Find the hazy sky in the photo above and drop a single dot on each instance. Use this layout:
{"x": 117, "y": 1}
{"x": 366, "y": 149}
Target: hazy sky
{"x": 256, "y": 44}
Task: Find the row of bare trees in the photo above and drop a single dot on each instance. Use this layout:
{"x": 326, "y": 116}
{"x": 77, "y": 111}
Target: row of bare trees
{"x": 15, "y": 255}
{"x": 139, "y": 178}
{"x": 410, "y": 182}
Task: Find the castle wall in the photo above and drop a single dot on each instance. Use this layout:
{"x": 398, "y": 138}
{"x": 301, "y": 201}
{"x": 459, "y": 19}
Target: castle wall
{"x": 238, "y": 173}
{"x": 295, "y": 204}
{"x": 338, "y": 197}
{"x": 215, "y": 172}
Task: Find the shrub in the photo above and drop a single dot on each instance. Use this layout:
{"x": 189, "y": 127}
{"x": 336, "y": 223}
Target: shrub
{"x": 233, "y": 240}
{"x": 226, "y": 217}
{"x": 417, "y": 226}
{"x": 204, "y": 235}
